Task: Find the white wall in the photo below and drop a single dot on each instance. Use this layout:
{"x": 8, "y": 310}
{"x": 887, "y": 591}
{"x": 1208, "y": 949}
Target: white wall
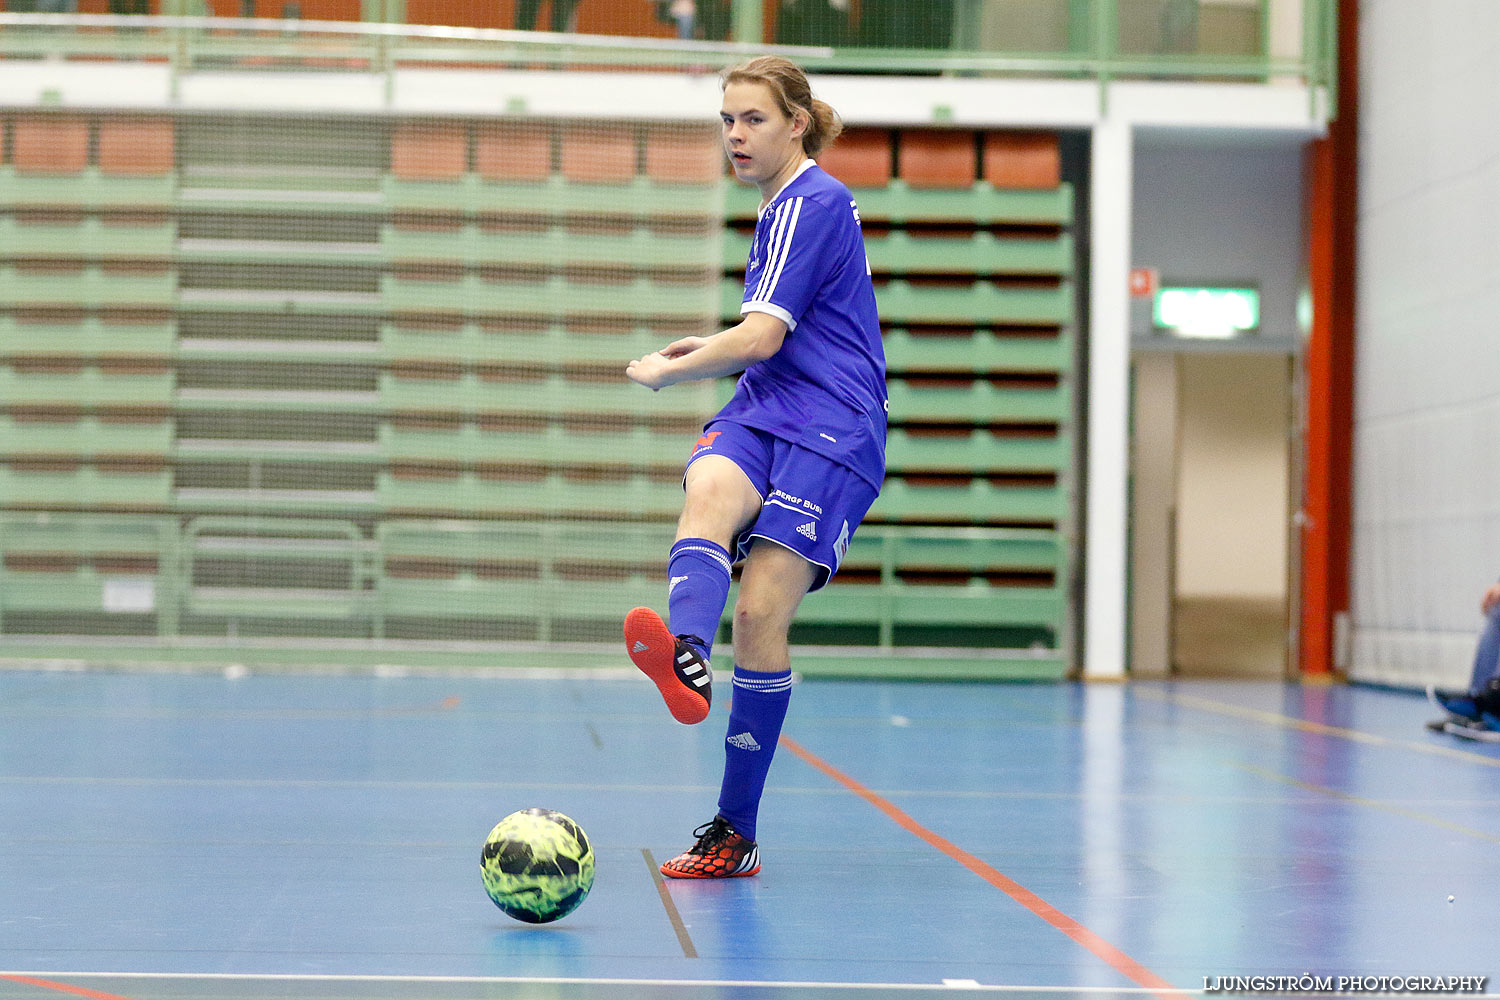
{"x": 1225, "y": 209}
{"x": 1427, "y": 386}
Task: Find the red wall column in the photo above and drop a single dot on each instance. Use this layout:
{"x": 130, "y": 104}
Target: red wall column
{"x": 1333, "y": 206}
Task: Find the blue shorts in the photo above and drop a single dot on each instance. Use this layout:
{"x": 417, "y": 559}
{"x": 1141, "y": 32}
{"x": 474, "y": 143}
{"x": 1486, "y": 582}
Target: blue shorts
{"x": 809, "y": 504}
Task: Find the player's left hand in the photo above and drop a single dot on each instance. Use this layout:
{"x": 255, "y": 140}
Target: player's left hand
{"x": 650, "y": 371}
{"x": 1490, "y": 599}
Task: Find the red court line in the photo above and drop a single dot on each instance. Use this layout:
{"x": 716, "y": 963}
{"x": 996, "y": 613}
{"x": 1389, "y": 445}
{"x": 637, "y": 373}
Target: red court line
{"x": 78, "y": 991}
{"x": 1116, "y": 959}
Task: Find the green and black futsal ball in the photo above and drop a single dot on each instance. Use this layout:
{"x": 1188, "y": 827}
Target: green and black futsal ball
{"x": 537, "y": 865}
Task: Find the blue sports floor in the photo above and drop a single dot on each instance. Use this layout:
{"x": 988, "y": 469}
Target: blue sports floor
{"x": 179, "y": 835}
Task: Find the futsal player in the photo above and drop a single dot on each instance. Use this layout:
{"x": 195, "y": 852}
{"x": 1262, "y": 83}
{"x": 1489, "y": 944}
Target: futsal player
{"x": 782, "y": 476}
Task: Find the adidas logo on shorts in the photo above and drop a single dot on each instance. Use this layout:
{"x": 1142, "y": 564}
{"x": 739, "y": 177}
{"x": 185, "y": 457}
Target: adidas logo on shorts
{"x": 810, "y": 529}
{"x": 744, "y": 741}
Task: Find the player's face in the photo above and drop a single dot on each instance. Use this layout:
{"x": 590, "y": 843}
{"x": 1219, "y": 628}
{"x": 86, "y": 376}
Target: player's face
{"x": 761, "y": 142}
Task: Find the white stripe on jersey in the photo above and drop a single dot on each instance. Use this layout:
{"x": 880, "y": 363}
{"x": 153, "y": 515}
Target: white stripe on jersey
{"x": 781, "y": 249}
{"x": 786, "y": 251}
{"x": 773, "y": 245}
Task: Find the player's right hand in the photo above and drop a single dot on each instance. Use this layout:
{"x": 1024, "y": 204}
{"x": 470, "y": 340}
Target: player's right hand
{"x": 687, "y": 345}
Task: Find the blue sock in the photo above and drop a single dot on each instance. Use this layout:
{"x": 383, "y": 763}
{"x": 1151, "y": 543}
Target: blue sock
{"x": 697, "y": 589}
{"x": 755, "y": 717}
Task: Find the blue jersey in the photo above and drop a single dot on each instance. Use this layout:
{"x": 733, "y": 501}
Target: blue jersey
{"x": 825, "y": 388}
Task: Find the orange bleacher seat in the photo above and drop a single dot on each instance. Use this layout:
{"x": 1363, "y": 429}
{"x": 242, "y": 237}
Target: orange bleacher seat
{"x": 429, "y": 152}
{"x": 50, "y": 144}
{"x": 142, "y": 146}
{"x": 1022, "y": 160}
{"x": 513, "y": 151}
{"x": 861, "y": 157}
{"x": 931, "y": 158}
{"x": 678, "y": 155}
{"x": 602, "y": 154}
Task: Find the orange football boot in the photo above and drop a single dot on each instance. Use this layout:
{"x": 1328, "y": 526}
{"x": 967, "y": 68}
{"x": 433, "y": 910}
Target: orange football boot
{"x": 673, "y": 663}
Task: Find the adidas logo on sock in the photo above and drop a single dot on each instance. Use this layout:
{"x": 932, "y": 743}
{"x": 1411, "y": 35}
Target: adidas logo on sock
{"x": 744, "y": 741}
{"x": 639, "y": 647}
{"x": 810, "y": 529}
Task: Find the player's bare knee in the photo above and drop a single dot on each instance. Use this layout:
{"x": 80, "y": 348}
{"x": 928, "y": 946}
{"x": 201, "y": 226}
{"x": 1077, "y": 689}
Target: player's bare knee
{"x": 747, "y": 622}
{"x": 758, "y": 629}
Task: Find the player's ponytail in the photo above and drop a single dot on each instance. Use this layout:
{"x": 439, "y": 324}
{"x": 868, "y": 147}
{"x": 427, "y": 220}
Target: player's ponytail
{"x": 825, "y": 127}
{"x": 793, "y": 93}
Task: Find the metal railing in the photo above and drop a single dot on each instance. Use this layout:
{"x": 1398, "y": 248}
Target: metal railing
{"x": 191, "y": 43}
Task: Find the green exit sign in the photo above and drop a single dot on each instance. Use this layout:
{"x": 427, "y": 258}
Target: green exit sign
{"x": 1211, "y": 313}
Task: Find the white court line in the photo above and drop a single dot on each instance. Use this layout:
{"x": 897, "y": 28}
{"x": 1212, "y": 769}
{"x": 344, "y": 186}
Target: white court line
{"x": 67, "y": 780}
{"x": 964, "y": 984}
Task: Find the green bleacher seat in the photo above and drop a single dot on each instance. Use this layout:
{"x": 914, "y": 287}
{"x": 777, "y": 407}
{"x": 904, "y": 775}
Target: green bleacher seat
{"x": 551, "y": 246}
{"x": 86, "y": 336}
{"x": 550, "y": 444}
{"x": 979, "y": 204}
{"x": 975, "y": 451}
{"x": 91, "y": 286}
{"x": 89, "y": 237}
{"x": 976, "y": 253}
{"x": 75, "y": 486}
{"x": 549, "y": 346}
{"x": 463, "y": 594}
{"x": 977, "y": 303}
{"x": 606, "y": 544}
{"x": 552, "y": 494}
{"x": 977, "y": 402}
{"x": 977, "y": 352}
{"x": 639, "y": 198}
{"x": 88, "y": 190}
{"x": 556, "y": 296}
{"x": 84, "y": 437}
{"x": 969, "y": 501}
{"x": 84, "y": 385}
{"x": 965, "y": 587}
{"x": 967, "y": 550}
{"x": 546, "y": 571}
{"x": 89, "y": 565}
{"x": 275, "y": 502}
{"x": 545, "y": 394}
{"x": 973, "y": 604}
{"x": 264, "y": 401}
